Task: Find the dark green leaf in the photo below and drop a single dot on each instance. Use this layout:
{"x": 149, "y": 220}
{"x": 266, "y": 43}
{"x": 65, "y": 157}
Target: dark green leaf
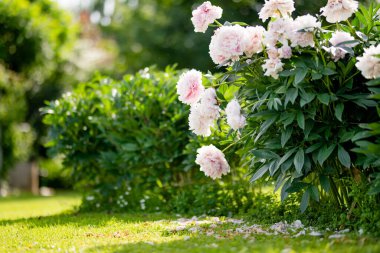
{"x": 285, "y": 136}
{"x": 325, "y": 183}
{"x": 265, "y": 154}
{"x": 301, "y": 120}
{"x": 260, "y": 173}
{"x": 305, "y": 201}
{"x": 324, "y": 153}
{"x": 324, "y": 98}
{"x": 339, "y": 108}
{"x": 344, "y": 157}
{"x": 314, "y": 193}
{"x": 299, "y": 160}
{"x": 300, "y": 75}
{"x": 291, "y": 95}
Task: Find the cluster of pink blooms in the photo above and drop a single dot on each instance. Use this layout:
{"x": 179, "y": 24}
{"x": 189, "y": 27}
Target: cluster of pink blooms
{"x": 231, "y": 43}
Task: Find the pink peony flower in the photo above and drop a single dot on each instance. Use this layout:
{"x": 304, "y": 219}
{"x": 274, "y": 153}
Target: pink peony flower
{"x": 204, "y": 113}
{"x": 253, "y": 41}
{"x": 273, "y": 67}
{"x": 199, "y": 123}
{"x": 339, "y": 10}
{"x": 234, "y": 118}
{"x": 273, "y": 53}
{"x": 189, "y": 87}
{"x": 279, "y": 31}
{"x": 212, "y": 161}
{"x": 205, "y": 15}
{"x": 285, "y": 52}
{"x": 276, "y": 9}
{"x": 304, "y": 38}
{"x": 337, "y": 38}
{"x": 369, "y": 63}
{"x": 227, "y": 44}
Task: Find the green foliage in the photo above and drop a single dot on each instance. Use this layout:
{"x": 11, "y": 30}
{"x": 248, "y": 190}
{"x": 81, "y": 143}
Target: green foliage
{"x": 35, "y": 40}
{"x": 16, "y": 136}
{"x": 123, "y": 134}
{"x": 35, "y": 36}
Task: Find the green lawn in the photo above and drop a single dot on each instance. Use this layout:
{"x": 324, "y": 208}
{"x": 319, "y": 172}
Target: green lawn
{"x": 35, "y": 224}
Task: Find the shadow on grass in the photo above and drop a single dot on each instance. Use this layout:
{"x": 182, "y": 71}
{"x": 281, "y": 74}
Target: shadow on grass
{"x": 85, "y": 219}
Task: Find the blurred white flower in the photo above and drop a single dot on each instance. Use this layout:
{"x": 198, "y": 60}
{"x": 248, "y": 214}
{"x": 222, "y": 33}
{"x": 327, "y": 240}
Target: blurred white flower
{"x": 276, "y": 9}
{"x": 369, "y": 63}
{"x": 339, "y": 10}
{"x": 189, "y": 87}
{"x": 304, "y": 27}
{"x": 227, "y": 44}
{"x": 272, "y": 67}
{"x": 337, "y": 49}
{"x": 203, "y": 114}
{"x": 205, "y": 15}
{"x": 279, "y": 30}
{"x": 253, "y": 41}
{"x": 285, "y": 52}
{"x": 234, "y": 117}
{"x": 212, "y": 162}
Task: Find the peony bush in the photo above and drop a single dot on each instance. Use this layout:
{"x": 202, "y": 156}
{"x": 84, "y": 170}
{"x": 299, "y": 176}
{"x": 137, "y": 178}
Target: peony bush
{"x": 299, "y": 96}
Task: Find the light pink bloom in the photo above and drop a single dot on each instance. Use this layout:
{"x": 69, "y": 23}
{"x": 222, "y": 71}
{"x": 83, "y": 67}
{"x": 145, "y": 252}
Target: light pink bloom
{"x": 279, "y": 31}
{"x": 337, "y": 51}
{"x": 285, "y": 52}
{"x": 276, "y": 9}
{"x": 339, "y": 10}
{"x": 369, "y": 63}
{"x": 273, "y": 67}
{"x": 204, "y": 113}
{"x": 205, "y": 15}
{"x": 199, "y": 123}
{"x": 303, "y": 28}
{"x": 253, "y": 41}
{"x": 234, "y": 117}
{"x": 189, "y": 87}
{"x": 273, "y": 53}
{"x": 212, "y": 161}
{"x": 227, "y": 44}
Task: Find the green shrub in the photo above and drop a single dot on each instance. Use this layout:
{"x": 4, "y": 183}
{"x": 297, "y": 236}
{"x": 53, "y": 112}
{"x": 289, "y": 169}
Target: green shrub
{"x": 123, "y": 139}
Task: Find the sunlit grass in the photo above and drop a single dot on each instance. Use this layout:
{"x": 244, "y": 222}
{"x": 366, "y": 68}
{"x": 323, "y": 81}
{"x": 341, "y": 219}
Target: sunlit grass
{"x": 51, "y": 231}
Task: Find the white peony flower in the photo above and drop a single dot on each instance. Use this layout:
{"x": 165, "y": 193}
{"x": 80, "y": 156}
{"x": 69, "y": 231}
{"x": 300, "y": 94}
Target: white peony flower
{"x": 253, "y": 41}
{"x": 199, "y": 123}
{"x": 272, "y": 67}
{"x": 279, "y": 30}
{"x": 336, "y": 50}
{"x": 227, "y": 44}
{"x": 189, "y": 87}
{"x": 302, "y": 34}
{"x": 234, "y": 118}
{"x": 273, "y": 53}
{"x": 369, "y": 63}
{"x": 276, "y": 9}
{"x": 204, "y": 113}
{"x": 205, "y": 15}
{"x": 212, "y": 161}
{"x": 285, "y": 52}
{"x": 339, "y": 10}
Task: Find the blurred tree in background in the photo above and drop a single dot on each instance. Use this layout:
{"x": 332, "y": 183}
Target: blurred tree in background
{"x": 35, "y": 40}
{"x": 160, "y": 32}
